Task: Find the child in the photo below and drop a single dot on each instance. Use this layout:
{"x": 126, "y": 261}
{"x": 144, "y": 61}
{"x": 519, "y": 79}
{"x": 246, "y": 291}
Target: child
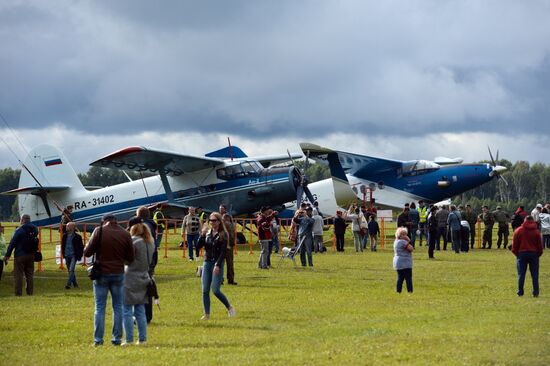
{"x": 374, "y": 232}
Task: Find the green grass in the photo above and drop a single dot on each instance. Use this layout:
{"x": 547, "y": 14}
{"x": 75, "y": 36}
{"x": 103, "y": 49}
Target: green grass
{"x": 464, "y": 311}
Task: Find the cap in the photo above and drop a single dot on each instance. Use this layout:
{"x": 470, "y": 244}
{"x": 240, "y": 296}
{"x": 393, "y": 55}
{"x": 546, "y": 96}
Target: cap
{"x": 108, "y": 217}
{"x": 338, "y": 212}
{"x": 539, "y": 205}
{"x": 498, "y": 207}
{"x": 309, "y": 208}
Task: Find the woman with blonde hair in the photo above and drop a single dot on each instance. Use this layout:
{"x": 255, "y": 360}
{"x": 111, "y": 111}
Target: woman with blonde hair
{"x": 136, "y": 279}
{"x": 402, "y": 259}
{"x": 214, "y": 241}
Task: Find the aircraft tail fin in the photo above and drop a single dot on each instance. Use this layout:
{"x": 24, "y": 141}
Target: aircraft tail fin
{"x": 46, "y": 179}
{"x": 227, "y": 152}
{"x": 342, "y": 189}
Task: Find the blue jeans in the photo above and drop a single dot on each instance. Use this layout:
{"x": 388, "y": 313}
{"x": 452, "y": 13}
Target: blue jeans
{"x": 364, "y": 241}
{"x": 113, "y": 283}
{"x": 275, "y": 241}
{"x": 214, "y": 282}
{"x": 413, "y": 235}
{"x": 456, "y": 237}
{"x": 71, "y": 264}
{"x": 192, "y": 240}
{"x": 138, "y": 311}
{"x": 158, "y": 238}
{"x": 357, "y": 241}
{"x": 531, "y": 259}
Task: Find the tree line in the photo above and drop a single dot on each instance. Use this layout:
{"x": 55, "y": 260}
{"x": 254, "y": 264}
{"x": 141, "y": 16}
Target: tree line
{"x": 527, "y": 185}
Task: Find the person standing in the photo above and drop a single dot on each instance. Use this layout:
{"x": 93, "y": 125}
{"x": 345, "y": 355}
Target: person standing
{"x": 66, "y": 217}
{"x": 339, "y": 230}
{"x": 112, "y": 247}
{"x": 317, "y": 232}
{"x": 402, "y": 259}
{"x": 545, "y": 227}
{"x": 305, "y": 222}
{"x": 374, "y": 232}
{"x": 503, "y": 219}
{"x": 414, "y": 218}
{"x": 441, "y": 216}
{"x": 3, "y": 247}
{"x": 453, "y": 223}
{"x": 488, "y": 221}
{"x": 354, "y": 214}
{"x": 433, "y": 230}
{"x": 263, "y": 221}
{"x": 72, "y": 249}
{"x": 158, "y": 218}
{"x": 136, "y": 279}
{"x": 527, "y": 247}
{"x": 518, "y": 218}
{"x": 275, "y": 230}
{"x": 470, "y": 216}
{"x": 24, "y": 243}
{"x": 229, "y": 256}
{"x": 190, "y": 231}
{"x": 214, "y": 242}
{"x": 422, "y": 221}
{"x": 536, "y": 214}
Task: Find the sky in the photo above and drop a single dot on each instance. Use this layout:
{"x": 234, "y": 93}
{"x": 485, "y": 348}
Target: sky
{"x": 395, "y": 79}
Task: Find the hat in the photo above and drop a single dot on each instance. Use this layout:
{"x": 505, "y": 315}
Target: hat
{"x": 338, "y": 212}
{"x": 498, "y": 207}
{"x": 539, "y": 205}
{"x": 108, "y": 217}
{"x": 309, "y": 208}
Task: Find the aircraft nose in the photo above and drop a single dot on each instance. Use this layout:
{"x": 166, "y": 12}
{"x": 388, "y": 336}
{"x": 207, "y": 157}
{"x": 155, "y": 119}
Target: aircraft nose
{"x": 497, "y": 170}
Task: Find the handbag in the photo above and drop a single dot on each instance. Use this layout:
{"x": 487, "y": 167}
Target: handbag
{"x": 151, "y": 289}
{"x": 37, "y": 256}
{"x": 94, "y": 270}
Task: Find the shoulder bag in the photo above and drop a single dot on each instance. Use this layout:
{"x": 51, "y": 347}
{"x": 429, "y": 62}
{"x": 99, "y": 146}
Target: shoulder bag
{"x": 151, "y": 285}
{"x": 94, "y": 270}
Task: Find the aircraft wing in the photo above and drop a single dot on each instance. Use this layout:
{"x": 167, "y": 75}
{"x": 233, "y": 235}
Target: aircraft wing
{"x": 35, "y": 190}
{"x": 351, "y": 163}
{"x": 442, "y": 160}
{"x": 142, "y": 159}
{"x": 269, "y": 160}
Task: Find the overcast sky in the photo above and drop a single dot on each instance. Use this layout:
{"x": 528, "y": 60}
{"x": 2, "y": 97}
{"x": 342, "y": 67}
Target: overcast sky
{"x": 397, "y": 79}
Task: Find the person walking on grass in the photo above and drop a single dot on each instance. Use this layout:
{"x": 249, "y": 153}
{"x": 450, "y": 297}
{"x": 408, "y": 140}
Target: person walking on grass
{"x": 527, "y": 247}
{"x": 191, "y": 228}
{"x": 374, "y": 232}
{"x": 545, "y": 227}
{"x": 355, "y": 216}
{"x": 433, "y": 230}
{"x": 402, "y": 259}
{"x": 72, "y": 249}
{"x": 214, "y": 242}
{"x": 24, "y": 243}
{"x": 136, "y": 279}
{"x": 339, "y": 231}
{"x": 229, "y": 255}
{"x": 112, "y": 247}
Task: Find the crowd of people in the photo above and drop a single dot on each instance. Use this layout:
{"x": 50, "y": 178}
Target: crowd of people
{"x": 127, "y": 257}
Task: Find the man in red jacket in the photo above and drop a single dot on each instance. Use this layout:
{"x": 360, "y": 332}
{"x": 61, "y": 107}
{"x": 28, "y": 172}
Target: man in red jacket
{"x": 527, "y": 247}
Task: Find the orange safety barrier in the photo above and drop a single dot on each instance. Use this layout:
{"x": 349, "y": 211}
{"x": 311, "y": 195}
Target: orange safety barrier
{"x": 382, "y": 233}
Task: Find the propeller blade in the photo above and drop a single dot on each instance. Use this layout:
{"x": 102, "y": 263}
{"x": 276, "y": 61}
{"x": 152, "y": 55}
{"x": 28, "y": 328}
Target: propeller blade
{"x": 290, "y": 157}
{"x": 496, "y": 159}
{"x": 299, "y": 196}
{"x": 503, "y": 179}
{"x": 491, "y": 155}
{"x": 309, "y": 195}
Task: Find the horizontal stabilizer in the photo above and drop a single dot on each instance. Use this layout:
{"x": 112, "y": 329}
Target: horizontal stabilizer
{"x": 269, "y": 160}
{"x": 36, "y": 190}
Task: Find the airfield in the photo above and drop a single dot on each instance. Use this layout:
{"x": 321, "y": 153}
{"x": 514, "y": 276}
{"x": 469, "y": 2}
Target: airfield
{"x": 344, "y": 310}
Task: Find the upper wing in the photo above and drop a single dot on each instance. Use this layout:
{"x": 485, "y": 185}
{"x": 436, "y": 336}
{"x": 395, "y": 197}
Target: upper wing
{"x": 141, "y": 159}
{"x": 442, "y": 160}
{"x": 351, "y": 163}
{"x": 269, "y": 160}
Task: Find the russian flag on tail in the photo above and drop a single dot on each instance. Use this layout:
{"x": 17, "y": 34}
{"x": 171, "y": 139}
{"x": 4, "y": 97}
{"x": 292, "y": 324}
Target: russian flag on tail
{"x": 53, "y": 161}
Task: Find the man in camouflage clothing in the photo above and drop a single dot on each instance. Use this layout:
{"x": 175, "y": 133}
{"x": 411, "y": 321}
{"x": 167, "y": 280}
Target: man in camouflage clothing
{"x": 470, "y": 216}
{"x": 488, "y": 221}
{"x": 503, "y": 219}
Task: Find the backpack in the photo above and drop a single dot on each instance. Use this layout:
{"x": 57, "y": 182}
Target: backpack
{"x": 30, "y": 240}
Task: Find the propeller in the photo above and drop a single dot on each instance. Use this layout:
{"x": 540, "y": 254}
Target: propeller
{"x": 497, "y": 170}
{"x": 302, "y": 182}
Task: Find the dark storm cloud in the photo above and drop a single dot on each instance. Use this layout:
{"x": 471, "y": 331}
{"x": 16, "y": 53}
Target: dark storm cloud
{"x": 305, "y": 69}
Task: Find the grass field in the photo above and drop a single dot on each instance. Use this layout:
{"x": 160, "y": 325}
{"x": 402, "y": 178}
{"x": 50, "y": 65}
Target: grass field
{"x": 344, "y": 311}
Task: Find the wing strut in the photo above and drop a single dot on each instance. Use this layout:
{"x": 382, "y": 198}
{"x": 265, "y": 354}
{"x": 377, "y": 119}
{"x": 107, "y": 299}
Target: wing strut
{"x": 166, "y": 185}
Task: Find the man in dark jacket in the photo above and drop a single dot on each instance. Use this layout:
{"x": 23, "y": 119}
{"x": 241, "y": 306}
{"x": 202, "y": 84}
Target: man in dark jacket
{"x": 503, "y": 220}
{"x": 72, "y": 249}
{"x": 339, "y": 230}
{"x": 518, "y": 218}
{"x": 527, "y": 247}
{"x": 25, "y": 243}
{"x": 112, "y": 246}
{"x": 470, "y": 216}
{"x": 441, "y": 216}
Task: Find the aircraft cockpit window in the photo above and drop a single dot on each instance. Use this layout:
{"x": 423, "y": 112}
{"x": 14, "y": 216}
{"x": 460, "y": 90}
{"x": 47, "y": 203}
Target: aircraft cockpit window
{"x": 418, "y": 167}
{"x": 241, "y": 170}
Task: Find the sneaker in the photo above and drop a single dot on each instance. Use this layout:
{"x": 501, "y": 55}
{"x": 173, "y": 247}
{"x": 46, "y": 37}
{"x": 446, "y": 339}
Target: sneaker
{"x": 125, "y": 344}
{"x": 190, "y": 259}
{"x": 231, "y": 312}
{"x": 141, "y": 343}
{"x": 98, "y": 344}
{"x": 205, "y": 317}
{"x": 67, "y": 287}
